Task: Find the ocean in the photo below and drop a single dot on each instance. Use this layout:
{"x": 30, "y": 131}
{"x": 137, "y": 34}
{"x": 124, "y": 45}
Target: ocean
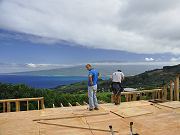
{"x": 50, "y": 78}
{"x": 41, "y": 81}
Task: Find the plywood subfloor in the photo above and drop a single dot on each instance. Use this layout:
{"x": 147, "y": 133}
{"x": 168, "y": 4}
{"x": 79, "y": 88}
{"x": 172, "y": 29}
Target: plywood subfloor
{"x": 172, "y": 104}
{"x": 131, "y": 112}
{"x": 160, "y": 121}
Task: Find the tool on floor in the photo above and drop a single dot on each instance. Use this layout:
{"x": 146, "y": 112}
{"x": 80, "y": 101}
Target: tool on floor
{"x": 131, "y": 129}
{"x": 111, "y": 129}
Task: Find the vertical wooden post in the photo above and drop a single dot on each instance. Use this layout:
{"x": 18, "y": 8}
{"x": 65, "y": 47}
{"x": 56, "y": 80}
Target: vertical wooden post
{"x": 8, "y": 106}
{"x": 42, "y": 104}
{"x": 27, "y": 105}
{"x": 127, "y": 97}
{"x": 134, "y": 97}
{"x": 141, "y": 95}
{"x": 176, "y": 88}
{"x": 62, "y": 105}
{"x": 17, "y": 106}
{"x": 153, "y": 95}
{"x": 4, "y": 106}
{"x": 171, "y": 90}
{"x": 38, "y": 104}
{"x": 159, "y": 95}
{"x": 165, "y": 92}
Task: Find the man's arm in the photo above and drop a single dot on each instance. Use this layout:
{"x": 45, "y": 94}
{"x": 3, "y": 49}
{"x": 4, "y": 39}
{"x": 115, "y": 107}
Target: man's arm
{"x": 91, "y": 80}
{"x": 122, "y": 76}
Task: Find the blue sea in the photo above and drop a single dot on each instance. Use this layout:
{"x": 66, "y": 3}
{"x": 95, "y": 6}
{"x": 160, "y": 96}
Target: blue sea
{"x": 41, "y": 81}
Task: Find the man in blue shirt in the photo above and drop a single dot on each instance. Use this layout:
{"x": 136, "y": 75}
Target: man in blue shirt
{"x": 92, "y": 87}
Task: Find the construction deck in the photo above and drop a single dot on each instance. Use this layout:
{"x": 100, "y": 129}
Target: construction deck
{"x": 148, "y": 119}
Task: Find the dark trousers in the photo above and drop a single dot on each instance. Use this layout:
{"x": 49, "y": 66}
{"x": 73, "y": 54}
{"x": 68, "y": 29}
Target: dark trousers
{"x": 117, "y": 89}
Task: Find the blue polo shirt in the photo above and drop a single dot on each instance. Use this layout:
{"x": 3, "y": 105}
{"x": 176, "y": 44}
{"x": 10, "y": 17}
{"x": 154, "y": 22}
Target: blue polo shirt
{"x": 94, "y": 75}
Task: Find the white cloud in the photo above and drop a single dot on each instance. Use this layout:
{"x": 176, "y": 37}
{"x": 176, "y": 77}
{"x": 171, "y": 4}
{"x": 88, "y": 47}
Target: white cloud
{"x": 175, "y": 59}
{"x": 134, "y": 26}
{"x": 149, "y": 59}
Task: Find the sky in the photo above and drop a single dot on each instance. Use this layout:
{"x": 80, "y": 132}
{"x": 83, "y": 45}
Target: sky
{"x": 47, "y": 34}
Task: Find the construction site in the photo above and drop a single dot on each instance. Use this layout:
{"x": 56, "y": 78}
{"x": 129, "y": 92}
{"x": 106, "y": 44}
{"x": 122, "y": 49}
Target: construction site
{"x": 158, "y": 116}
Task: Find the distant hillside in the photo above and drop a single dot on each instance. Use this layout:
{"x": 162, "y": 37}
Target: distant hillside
{"x": 105, "y": 70}
{"x": 153, "y": 78}
{"x": 149, "y": 79}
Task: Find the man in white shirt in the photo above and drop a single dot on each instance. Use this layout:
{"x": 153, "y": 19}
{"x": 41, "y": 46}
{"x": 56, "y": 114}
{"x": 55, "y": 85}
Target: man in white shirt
{"x": 117, "y": 78}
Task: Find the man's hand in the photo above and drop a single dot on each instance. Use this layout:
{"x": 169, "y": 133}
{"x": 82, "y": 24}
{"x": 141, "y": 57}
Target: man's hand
{"x": 91, "y": 83}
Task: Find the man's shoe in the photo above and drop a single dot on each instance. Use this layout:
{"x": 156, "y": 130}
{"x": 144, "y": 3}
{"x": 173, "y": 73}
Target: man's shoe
{"x": 96, "y": 108}
{"x": 90, "y": 109}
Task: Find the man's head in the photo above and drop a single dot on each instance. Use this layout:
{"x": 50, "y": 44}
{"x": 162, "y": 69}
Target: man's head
{"x": 88, "y": 66}
{"x": 119, "y": 70}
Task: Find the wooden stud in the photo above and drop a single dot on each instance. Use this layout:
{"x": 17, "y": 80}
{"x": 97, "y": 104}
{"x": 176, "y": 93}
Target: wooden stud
{"x": 17, "y": 106}
{"x": 27, "y": 105}
{"x": 54, "y": 106}
{"x": 42, "y": 104}
{"x": 85, "y": 103}
{"x": 129, "y": 96}
{"x": 126, "y": 96}
{"x": 69, "y": 104}
{"x": 171, "y": 90}
{"x": 4, "y": 106}
{"x": 77, "y": 104}
{"x": 153, "y": 95}
{"x": 38, "y": 104}
{"x": 134, "y": 97}
{"x": 177, "y": 88}
{"x": 8, "y": 107}
{"x": 165, "y": 92}
{"x": 159, "y": 94}
{"x": 62, "y": 105}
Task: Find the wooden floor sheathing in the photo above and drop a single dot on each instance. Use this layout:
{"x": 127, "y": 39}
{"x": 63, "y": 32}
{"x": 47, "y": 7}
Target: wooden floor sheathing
{"x": 148, "y": 119}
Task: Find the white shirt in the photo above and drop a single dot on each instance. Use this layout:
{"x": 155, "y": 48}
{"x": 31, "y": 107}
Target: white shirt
{"x": 117, "y": 76}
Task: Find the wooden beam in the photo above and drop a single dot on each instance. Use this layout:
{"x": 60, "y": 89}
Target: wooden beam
{"x": 21, "y": 99}
{"x": 77, "y": 127}
{"x": 54, "y": 106}
{"x": 76, "y": 116}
